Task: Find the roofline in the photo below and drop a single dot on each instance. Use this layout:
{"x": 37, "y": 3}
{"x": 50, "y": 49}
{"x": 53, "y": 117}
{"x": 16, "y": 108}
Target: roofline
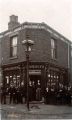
{"x": 43, "y": 25}
{"x": 57, "y": 33}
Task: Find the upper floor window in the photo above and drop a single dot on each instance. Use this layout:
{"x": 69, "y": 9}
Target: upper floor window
{"x": 53, "y": 49}
{"x": 13, "y": 46}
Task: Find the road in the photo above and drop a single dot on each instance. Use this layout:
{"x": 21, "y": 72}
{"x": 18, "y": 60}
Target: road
{"x": 37, "y": 111}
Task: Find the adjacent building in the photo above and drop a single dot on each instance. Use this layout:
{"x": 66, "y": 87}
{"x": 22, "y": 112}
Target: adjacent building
{"x": 50, "y": 58}
{"x": 71, "y": 66}
{"x": 0, "y": 63}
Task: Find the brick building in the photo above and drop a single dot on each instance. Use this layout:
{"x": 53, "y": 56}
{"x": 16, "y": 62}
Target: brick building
{"x": 71, "y": 66}
{"x": 0, "y": 62}
{"x": 49, "y": 61}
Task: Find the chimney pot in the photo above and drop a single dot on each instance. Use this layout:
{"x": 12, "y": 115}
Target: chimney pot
{"x": 13, "y": 22}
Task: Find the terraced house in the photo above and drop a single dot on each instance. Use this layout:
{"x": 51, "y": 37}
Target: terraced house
{"x": 49, "y": 61}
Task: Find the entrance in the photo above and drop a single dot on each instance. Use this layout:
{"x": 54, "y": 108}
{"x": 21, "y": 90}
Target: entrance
{"x": 34, "y": 82}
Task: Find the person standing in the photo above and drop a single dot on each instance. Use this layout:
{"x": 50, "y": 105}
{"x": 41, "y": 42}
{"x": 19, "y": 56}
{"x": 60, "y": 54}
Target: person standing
{"x": 38, "y": 93}
{"x": 12, "y": 93}
{"x": 46, "y": 95}
{"x": 33, "y": 91}
{"x": 21, "y": 91}
{"x": 18, "y": 95}
{"x": 30, "y": 92}
{"x": 68, "y": 97}
{"x": 3, "y": 95}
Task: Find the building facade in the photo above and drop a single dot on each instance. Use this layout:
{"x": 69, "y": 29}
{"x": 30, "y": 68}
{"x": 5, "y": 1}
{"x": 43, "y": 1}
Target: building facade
{"x": 0, "y": 63}
{"x": 71, "y": 65}
{"x": 49, "y": 61}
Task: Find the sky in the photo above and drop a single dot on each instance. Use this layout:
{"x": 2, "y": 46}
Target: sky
{"x": 55, "y": 13}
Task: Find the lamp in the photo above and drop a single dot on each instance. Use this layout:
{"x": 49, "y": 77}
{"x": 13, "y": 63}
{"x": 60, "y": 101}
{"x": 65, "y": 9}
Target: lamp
{"x": 28, "y": 44}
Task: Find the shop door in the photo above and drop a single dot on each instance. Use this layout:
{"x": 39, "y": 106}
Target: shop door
{"x": 34, "y": 81}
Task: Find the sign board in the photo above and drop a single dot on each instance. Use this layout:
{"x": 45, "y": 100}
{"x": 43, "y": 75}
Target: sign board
{"x": 34, "y": 72}
{"x": 36, "y": 66}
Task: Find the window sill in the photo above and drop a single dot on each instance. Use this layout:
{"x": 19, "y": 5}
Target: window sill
{"x": 11, "y": 58}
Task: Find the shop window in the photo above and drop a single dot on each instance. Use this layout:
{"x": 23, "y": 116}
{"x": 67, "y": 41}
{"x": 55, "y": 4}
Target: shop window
{"x": 18, "y": 80}
{"x": 11, "y": 80}
{"x": 10, "y": 76}
{"x": 54, "y": 76}
{"x": 33, "y": 83}
{"x": 48, "y": 75}
{"x": 53, "y": 49}
{"x": 13, "y": 46}
{"x": 51, "y": 76}
{"x": 7, "y": 79}
{"x": 57, "y": 77}
{"x": 22, "y": 83}
{"x": 49, "y": 80}
{"x": 14, "y": 79}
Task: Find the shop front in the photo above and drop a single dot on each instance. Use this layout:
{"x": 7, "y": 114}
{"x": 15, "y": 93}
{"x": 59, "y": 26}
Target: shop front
{"x": 39, "y": 75}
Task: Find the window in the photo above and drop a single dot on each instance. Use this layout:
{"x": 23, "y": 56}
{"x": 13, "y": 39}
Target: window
{"x": 13, "y": 46}
{"x": 53, "y": 49}
{"x": 7, "y": 79}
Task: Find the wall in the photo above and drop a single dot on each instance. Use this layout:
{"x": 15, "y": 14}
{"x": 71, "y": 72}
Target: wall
{"x": 0, "y": 63}
{"x": 41, "y": 50}
{"x": 71, "y": 66}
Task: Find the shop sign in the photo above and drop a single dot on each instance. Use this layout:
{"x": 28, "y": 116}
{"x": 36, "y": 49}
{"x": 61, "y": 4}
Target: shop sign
{"x": 12, "y": 68}
{"x": 34, "y": 72}
{"x": 36, "y": 66}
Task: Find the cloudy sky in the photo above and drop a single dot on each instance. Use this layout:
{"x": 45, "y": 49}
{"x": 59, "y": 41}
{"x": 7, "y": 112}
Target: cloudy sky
{"x": 55, "y": 13}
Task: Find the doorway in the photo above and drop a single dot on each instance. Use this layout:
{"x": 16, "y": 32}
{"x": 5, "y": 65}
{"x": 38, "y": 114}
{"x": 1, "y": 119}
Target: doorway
{"x": 34, "y": 82}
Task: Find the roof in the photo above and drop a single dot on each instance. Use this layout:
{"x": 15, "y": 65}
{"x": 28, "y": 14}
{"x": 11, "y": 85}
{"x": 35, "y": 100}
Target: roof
{"x": 36, "y": 26}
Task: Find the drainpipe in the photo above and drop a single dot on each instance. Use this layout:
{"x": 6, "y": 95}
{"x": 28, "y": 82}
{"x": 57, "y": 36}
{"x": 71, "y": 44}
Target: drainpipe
{"x": 68, "y": 64}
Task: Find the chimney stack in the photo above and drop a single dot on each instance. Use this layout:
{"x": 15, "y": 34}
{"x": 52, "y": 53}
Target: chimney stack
{"x": 13, "y": 22}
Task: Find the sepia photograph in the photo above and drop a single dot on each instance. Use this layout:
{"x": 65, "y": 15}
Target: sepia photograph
{"x": 35, "y": 59}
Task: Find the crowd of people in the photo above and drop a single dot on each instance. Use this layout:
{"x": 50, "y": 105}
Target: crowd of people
{"x": 61, "y": 96}
{"x": 18, "y": 95}
{"x": 15, "y": 94}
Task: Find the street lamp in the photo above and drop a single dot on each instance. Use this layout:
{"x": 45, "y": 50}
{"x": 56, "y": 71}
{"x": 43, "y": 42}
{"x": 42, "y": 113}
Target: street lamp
{"x": 28, "y": 44}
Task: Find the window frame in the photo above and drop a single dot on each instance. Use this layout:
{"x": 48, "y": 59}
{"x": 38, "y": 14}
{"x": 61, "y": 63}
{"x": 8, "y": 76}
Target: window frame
{"x": 54, "y": 48}
{"x": 12, "y": 47}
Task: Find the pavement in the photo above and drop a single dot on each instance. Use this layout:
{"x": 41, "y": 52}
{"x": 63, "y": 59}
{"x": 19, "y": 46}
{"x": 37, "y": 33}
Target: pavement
{"x": 37, "y": 111}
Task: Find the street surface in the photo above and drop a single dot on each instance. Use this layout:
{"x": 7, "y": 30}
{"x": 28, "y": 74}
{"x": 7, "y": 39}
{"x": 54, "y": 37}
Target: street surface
{"x": 37, "y": 111}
